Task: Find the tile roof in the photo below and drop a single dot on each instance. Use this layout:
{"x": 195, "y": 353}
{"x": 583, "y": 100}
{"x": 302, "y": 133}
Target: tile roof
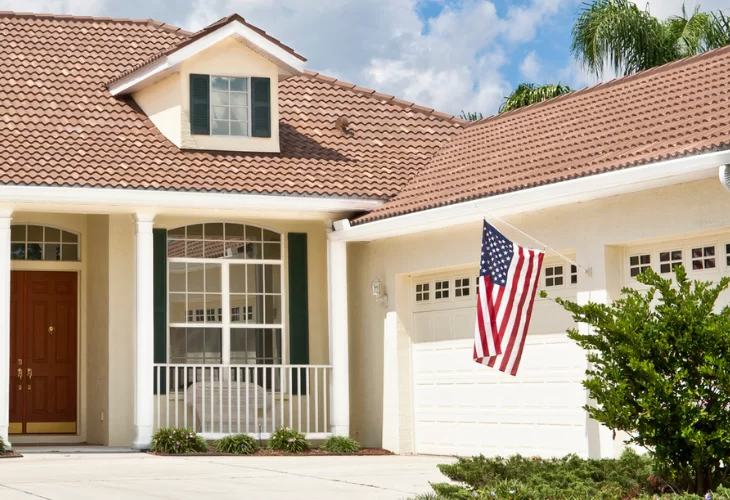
{"x": 59, "y": 126}
{"x": 675, "y": 110}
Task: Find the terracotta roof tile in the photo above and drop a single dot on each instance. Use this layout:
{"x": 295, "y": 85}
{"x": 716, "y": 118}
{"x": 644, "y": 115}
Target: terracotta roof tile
{"x": 676, "y": 110}
{"x": 59, "y": 125}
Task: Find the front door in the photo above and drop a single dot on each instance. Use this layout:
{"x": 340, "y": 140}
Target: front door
{"x": 43, "y": 354}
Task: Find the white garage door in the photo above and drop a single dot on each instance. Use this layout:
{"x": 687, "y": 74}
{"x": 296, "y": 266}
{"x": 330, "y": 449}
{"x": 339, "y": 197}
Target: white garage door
{"x": 462, "y": 408}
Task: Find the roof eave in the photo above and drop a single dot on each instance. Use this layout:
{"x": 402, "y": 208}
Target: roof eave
{"x": 288, "y": 63}
{"x": 593, "y": 187}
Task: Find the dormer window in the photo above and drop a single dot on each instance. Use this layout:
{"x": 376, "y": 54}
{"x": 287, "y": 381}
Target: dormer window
{"x": 230, "y": 106}
{"x": 229, "y": 102}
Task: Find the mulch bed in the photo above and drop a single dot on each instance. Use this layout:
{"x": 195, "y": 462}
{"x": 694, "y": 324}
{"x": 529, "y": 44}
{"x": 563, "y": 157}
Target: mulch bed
{"x": 12, "y": 454}
{"x": 273, "y": 453}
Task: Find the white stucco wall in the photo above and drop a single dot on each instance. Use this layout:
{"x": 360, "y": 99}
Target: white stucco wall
{"x": 596, "y": 232}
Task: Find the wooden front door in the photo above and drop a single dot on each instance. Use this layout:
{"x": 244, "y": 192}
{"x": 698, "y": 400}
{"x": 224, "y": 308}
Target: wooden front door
{"x": 43, "y": 352}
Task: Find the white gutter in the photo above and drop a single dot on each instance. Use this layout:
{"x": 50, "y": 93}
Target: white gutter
{"x": 593, "y": 187}
{"x": 100, "y": 197}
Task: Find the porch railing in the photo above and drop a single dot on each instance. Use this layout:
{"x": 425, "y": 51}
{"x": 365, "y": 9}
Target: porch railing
{"x": 218, "y": 400}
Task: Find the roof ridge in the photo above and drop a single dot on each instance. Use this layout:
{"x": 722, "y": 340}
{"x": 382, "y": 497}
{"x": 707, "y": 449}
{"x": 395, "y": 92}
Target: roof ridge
{"x": 384, "y": 97}
{"x": 69, "y": 17}
{"x": 609, "y": 83}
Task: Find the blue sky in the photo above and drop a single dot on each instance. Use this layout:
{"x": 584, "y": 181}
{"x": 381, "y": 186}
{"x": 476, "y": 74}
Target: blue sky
{"x": 451, "y": 55}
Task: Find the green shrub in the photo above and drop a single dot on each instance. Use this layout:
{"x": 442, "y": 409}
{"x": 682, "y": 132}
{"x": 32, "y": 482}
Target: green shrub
{"x": 241, "y": 444}
{"x": 340, "y": 444}
{"x": 4, "y": 448}
{"x": 288, "y": 440}
{"x": 177, "y": 441}
{"x": 520, "y": 478}
{"x": 659, "y": 371}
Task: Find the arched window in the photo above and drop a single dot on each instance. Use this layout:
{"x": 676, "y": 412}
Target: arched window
{"x": 225, "y": 288}
{"x": 34, "y": 242}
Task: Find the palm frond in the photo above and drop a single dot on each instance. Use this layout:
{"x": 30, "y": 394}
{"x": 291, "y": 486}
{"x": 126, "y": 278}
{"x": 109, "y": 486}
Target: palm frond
{"x": 529, "y": 93}
{"x": 688, "y": 34}
{"x": 619, "y": 35}
{"x": 719, "y": 34}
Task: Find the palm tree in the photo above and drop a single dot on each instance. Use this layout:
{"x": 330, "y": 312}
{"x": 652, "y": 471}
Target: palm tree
{"x": 529, "y": 93}
{"x": 619, "y": 35}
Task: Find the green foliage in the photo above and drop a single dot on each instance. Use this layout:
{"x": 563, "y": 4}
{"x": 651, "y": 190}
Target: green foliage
{"x": 619, "y": 35}
{"x": 241, "y": 444}
{"x": 659, "y": 369}
{"x": 177, "y": 441}
{"x": 471, "y": 116}
{"x": 529, "y": 93}
{"x": 288, "y": 440}
{"x": 340, "y": 444}
{"x": 535, "y": 479}
{"x": 4, "y": 448}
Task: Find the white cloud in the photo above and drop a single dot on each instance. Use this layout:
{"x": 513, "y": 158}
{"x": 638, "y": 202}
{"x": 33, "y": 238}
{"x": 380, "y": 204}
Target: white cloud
{"x": 75, "y": 7}
{"x": 531, "y": 68}
{"x": 665, "y": 8}
{"x": 523, "y": 20}
{"x": 451, "y": 62}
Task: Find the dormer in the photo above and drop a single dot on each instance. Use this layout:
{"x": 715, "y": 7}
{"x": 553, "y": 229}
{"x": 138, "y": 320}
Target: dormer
{"x": 217, "y": 90}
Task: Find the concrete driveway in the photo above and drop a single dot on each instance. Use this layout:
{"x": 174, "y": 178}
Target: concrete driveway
{"x": 57, "y": 476}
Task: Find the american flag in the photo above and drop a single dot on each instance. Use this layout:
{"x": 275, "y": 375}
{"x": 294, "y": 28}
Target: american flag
{"x": 508, "y": 279}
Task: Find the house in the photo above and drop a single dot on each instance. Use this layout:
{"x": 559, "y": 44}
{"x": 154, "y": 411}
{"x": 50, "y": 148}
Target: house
{"x": 196, "y": 230}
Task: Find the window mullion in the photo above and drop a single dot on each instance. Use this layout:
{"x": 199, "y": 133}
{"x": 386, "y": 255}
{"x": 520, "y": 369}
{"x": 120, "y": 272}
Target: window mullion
{"x": 226, "y": 305}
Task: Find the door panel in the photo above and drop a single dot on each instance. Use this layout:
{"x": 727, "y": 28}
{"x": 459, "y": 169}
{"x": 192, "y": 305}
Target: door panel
{"x": 44, "y": 316}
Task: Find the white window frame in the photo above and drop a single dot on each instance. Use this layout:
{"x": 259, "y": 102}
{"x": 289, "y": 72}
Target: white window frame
{"x": 690, "y": 264}
{"x": 248, "y": 106}
{"x": 565, "y": 276}
{"x": 225, "y": 325}
{"x": 671, "y": 262}
{"x": 441, "y": 281}
{"x": 639, "y": 254}
{"x": 416, "y": 292}
{"x": 43, "y": 243}
{"x": 463, "y": 287}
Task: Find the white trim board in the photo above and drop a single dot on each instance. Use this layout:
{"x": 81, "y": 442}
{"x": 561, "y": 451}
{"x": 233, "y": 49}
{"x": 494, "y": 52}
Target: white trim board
{"x": 629, "y": 180}
{"x": 95, "y": 199}
{"x": 288, "y": 63}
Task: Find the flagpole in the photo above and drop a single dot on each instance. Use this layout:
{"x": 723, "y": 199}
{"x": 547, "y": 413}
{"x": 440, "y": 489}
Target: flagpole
{"x": 588, "y": 271}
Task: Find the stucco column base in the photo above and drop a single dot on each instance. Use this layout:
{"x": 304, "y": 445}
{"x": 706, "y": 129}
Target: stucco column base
{"x": 142, "y": 437}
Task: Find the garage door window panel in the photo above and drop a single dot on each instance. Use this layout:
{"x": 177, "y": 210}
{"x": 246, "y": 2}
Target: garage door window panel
{"x": 703, "y": 258}
{"x": 638, "y": 264}
{"x": 441, "y": 290}
{"x": 669, "y": 260}
{"x": 423, "y": 293}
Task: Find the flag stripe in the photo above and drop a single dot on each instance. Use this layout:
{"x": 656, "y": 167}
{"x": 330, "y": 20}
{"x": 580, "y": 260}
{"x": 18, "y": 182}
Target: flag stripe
{"x": 528, "y": 316}
{"x": 518, "y": 323}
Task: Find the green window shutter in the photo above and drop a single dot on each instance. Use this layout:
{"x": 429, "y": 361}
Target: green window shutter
{"x": 261, "y": 107}
{"x": 200, "y": 104}
{"x": 159, "y": 307}
{"x": 298, "y": 307}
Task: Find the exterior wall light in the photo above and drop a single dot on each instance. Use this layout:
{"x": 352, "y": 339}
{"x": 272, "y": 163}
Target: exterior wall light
{"x": 378, "y": 290}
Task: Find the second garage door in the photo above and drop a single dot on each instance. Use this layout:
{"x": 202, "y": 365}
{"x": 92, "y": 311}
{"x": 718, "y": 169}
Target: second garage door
{"x": 462, "y": 408}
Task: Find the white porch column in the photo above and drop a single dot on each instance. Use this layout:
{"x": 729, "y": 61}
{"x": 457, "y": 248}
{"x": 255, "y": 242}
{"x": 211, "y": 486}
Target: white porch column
{"x": 4, "y": 324}
{"x": 338, "y": 344}
{"x": 144, "y": 331}
{"x": 601, "y": 287}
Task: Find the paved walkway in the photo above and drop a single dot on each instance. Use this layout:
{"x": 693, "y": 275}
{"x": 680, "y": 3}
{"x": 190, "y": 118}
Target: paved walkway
{"x": 56, "y": 476}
